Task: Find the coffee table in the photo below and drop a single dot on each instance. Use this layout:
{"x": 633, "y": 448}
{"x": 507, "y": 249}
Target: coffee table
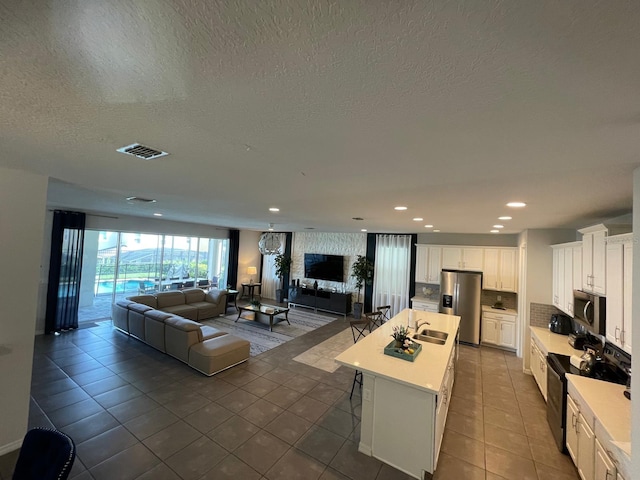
{"x": 262, "y": 313}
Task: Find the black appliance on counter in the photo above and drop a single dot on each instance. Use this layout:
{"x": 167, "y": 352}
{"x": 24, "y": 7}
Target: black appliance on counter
{"x": 612, "y": 368}
{"x": 561, "y": 324}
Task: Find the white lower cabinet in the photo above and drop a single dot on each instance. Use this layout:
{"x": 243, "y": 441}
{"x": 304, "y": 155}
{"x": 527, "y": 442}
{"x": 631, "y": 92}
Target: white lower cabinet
{"x": 580, "y": 439}
{"x": 424, "y": 306}
{"x": 499, "y": 329}
{"x": 604, "y": 467}
{"x": 538, "y": 364}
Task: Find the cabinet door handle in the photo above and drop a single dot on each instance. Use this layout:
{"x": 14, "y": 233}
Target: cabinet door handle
{"x": 615, "y": 334}
{"x": 622, "y": 335}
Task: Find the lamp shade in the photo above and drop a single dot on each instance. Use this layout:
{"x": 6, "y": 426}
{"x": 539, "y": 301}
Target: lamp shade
{"x": 252, "y": 270}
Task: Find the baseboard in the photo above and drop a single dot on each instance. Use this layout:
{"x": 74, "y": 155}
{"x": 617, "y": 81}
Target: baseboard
{"x": 10, "y": 447}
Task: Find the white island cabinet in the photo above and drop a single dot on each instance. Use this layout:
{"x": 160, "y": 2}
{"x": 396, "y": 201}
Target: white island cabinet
{"x": 405, "y": 404}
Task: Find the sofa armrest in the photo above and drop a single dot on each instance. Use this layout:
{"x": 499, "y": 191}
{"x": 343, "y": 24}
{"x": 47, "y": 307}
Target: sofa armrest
{"x": 216, "y": 296}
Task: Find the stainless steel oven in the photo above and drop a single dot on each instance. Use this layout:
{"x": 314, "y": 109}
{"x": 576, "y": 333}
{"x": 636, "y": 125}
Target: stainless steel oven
{"x": 590, "y": 311}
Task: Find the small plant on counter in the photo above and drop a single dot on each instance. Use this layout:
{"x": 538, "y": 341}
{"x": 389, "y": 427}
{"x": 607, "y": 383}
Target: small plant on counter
{"x": 401, "y": 336}
{"x": 255, "y": 303}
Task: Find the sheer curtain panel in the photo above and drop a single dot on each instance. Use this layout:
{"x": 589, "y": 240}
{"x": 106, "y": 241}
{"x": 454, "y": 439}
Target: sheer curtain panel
{"x": 270, "y": 283}
{"x": 63, "y": 291}
{"x": 391, "y": 272}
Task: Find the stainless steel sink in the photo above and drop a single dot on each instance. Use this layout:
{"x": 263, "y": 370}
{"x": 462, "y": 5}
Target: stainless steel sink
{"x": 428, "y": 339}
{"x": 434, "y": 333}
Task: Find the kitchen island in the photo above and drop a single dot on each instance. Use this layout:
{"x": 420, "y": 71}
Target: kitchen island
{"x": 405, "y": 404}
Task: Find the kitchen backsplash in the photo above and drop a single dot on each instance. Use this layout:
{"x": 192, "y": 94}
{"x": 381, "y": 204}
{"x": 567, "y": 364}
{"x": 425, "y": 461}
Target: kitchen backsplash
{"x": 540, "y": 313}
{"x": 490, "y": 297}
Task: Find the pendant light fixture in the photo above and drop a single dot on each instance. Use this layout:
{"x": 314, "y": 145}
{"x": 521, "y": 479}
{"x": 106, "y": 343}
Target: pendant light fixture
{"x": 269, "y": 243}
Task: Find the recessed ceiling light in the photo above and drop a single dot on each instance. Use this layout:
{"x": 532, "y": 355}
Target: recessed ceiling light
{"x": 400, "y": 208}
{"x": 504, "y": 218}
{"x": 436, "y": 231}
{"x": 157, "y": 214}
{"x": 428, "y": 226}
{"x": 495, "y": 231}
{"x": 516, "y": 204}
{"x": 363, "y": 229}
{"x": 141, "y": 200}
{"x": 498, "y": 226}
{"x": 274, "y": 209}
{"x": 418, "y": 219}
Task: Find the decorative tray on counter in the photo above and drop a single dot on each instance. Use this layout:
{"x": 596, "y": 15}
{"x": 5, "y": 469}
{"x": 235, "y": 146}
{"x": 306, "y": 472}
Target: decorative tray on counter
{"x": 398, "y": 352}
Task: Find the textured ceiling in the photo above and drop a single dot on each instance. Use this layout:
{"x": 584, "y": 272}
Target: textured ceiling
{"x": 327, "y": 110}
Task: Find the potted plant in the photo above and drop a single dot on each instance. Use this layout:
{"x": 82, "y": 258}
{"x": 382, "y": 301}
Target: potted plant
{"x": 362, "y": 271}
{"x": 282, "y": 264}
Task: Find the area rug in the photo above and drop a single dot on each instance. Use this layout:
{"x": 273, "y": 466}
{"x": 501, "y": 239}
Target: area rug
{"x": 258, "y": 334}
{"x": 322, "y": 355}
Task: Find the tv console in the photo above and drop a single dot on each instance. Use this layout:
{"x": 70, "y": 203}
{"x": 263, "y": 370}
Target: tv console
{"x": 322, "y": 300}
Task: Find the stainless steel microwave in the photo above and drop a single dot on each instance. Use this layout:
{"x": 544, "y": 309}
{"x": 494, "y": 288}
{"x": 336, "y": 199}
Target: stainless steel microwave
{"x": 590, "y": 311}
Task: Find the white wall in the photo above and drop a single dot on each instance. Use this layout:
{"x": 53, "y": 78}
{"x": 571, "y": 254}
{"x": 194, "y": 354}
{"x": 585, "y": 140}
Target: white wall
{"x": 635, "y": 333}
{"x": 22, "y": 217}
{"x": 248, "y": 256}
{"x": 539, "y": 276}
{"x": 480, "y": 239}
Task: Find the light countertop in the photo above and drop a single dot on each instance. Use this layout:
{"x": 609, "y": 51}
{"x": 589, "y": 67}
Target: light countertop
{"x": 554, "y": 342}
{"x": 611, "y": 409}
{"x": 426, "y": 372}
{"x": 507, "y": 311}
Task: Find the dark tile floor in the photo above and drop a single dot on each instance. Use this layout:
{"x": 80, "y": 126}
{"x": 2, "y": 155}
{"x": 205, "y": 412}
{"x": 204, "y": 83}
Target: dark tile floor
{"x": 137, "y": 413}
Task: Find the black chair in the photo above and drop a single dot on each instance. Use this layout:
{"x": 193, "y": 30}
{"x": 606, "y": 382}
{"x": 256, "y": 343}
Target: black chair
{"x": 46, "y": 454}
{"x": 385, "y": 313}
{"x": 359, "y": 329}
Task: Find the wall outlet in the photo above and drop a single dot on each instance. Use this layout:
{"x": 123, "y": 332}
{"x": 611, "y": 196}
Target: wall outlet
{"x": 366, "y": 394}
{"x": 499, "y": 298}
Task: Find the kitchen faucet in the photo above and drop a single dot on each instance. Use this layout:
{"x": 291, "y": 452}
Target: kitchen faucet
{"x": 419, "y": 324}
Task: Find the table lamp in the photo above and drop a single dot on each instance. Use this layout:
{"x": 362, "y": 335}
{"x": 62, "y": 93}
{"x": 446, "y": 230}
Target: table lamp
{"x": 251, "y": 271}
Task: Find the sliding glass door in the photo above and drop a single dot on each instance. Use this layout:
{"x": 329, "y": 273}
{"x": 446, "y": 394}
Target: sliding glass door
{"x": 117, "y": 265}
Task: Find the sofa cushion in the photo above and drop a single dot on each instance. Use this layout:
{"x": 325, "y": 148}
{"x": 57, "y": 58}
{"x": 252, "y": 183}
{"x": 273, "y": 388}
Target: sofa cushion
{"x": 139, "y": 307}
{"x": 186, "y": 311}
{"x": 154, "y": 328}
{"x": 206, "y": 310}
{"x": 169, "y": 299}
{"x": 219, "y": 353}
{"x": 193, "y": 295}
{"x": 148, "y": 300}
{"x": 179, "y": 335}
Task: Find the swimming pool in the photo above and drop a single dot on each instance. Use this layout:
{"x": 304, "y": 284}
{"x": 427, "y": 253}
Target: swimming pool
{"x": 125, "y": 286}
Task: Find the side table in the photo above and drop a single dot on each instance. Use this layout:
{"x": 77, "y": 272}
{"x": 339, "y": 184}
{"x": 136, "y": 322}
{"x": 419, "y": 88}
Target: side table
{"x": 232, "y": 296}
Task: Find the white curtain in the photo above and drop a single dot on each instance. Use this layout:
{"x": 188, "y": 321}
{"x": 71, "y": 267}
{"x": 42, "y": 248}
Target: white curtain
{"x": 270, "y": 283}
{"x": 391, "y": 272}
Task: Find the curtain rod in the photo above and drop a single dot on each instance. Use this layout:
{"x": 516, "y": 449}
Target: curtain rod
{"x": 87, "y": 214}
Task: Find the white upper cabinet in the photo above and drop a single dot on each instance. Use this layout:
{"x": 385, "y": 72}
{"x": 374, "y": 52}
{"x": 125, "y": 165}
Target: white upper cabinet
{"x": 500, "y": 269}
{"x": 594, "y": 255}
{"x": 422, "y": 257}
{"x": 594, "y": 259}
{"x": 567, "y": 266}
{"x": 619, "y": 296}
{"x": 428, "y": 264}
{"x": 463, "y": 258}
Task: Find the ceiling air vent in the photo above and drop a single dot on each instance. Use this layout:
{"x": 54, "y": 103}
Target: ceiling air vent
{"x": 142, "y": 152}
{"x": 140, "y": 200}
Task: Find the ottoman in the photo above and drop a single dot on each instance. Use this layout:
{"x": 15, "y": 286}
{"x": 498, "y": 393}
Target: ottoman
{"x": 216, "y": 354}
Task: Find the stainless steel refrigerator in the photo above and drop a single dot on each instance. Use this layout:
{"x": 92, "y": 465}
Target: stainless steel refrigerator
{"x": 460, "y": 295}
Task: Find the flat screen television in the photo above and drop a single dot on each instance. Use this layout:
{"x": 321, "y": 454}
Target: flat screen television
{"x": 324, "y": 267}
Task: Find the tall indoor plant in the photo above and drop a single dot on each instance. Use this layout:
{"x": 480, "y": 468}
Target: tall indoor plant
{"x": 282, "y": 265}
{"x": 362, "y": 271}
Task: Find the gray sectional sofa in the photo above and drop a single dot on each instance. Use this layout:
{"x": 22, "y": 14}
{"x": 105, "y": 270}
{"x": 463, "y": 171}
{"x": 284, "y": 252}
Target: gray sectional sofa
{"x": 169, "y": 322}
